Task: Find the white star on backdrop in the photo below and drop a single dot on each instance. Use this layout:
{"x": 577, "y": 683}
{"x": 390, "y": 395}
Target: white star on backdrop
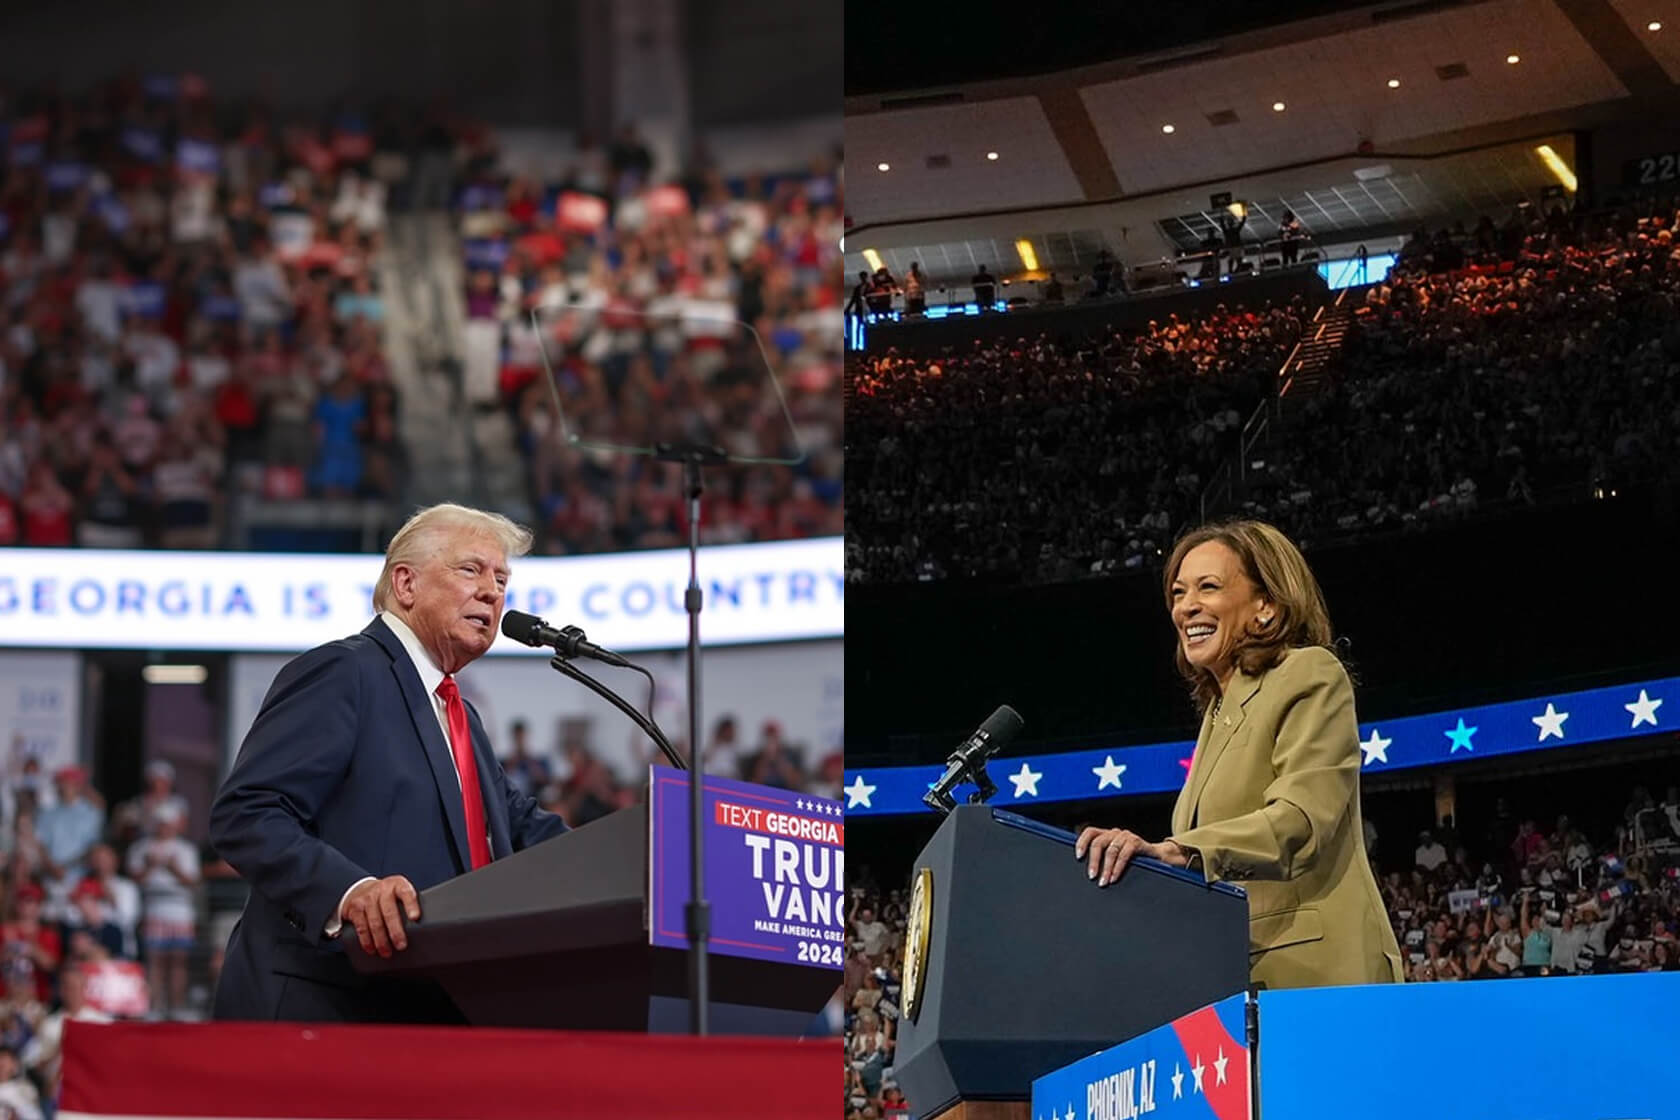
{"x": 1460, "y": 736}
{"x": 1644, "y": 709}
{"x": 1550, "y": 722}
{"x": 1196, "y": 1071}
{"x": 1219, "y": 1066}
{"x": 1178, "y": 1082}
{"x": 1108, "y": 774}
{"x": 859, "y": 793}
{"x": 1375, "y": 747}
{"x": 801, "y": 803}
{"x": 1026, "y": 781}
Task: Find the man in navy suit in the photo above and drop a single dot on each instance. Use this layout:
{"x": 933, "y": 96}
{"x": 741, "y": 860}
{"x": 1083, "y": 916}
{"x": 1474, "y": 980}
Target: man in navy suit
{"x": 366, "y": 779}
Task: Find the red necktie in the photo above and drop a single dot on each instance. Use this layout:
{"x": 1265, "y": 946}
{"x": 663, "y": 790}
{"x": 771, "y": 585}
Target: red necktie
{"x": 460, "y": 745}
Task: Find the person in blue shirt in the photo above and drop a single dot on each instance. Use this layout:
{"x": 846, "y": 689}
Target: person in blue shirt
{"x": 68, "y": 831}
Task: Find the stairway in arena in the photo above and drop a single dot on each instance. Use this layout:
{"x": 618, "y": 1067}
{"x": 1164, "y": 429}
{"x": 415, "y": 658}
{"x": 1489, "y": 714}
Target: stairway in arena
{"x": 1303, "y": 373}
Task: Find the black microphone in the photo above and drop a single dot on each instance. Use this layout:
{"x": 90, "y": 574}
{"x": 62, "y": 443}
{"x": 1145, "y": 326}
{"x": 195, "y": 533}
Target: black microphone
{"x": 568, "y": 641}
{"x": 969, "y": 760}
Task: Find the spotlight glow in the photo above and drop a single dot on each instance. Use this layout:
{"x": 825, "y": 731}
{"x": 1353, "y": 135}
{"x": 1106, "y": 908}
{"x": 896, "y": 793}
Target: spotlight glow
{"x": 1167, "y": 128}
{"x": 1278, "y": 106}
{"x": 1394, "y": 83}
{"x": 883, "y": 167}
{"x": 991, "y": 155}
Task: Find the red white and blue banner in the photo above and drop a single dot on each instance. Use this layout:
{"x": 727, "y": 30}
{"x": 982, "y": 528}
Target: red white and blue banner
{"x": 775, "y": 870}
{"x": 1561, "y": 719}
{"x": 1198, "y": 1067}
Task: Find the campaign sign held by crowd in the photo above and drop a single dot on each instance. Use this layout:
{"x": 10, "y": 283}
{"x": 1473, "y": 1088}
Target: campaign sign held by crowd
{"x": 1193, "y": 1068}
{"x": 775, "y": 870}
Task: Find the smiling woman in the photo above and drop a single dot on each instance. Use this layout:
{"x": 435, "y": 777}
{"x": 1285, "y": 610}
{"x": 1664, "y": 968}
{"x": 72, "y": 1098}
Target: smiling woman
{"x": 1272, "y": 797}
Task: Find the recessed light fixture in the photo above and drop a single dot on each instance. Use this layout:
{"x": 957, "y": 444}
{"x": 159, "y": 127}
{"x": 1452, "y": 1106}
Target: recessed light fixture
{"x": 1394, "y": 83}
{"x": 991, "y": 155}
{"x": 1167, "y": 128}
{"x": 1278, "y": 106}
{"x": 174, "y": 674}
{"x": 1654, "y": 25}
{"x": 1513, "y": 59}
{"x": 883, "y": 167}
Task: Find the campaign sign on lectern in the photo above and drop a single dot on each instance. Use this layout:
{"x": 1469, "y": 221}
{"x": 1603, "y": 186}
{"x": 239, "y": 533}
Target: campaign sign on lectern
{"x": 1193, "y": 1068}
{"x": 775, "y": 870}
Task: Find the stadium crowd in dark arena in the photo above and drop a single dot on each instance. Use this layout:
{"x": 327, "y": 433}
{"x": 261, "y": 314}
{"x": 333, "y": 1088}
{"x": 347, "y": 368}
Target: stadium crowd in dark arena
{"x": 1517, "y": 899}
{"x": 1495, "y": 368}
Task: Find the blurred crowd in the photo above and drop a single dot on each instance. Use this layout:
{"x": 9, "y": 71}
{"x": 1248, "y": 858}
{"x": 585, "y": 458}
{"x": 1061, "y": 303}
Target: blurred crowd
{"x": 1525, "y": 900}
{"x": 101, "y": 914}
{"x": 614, "y": 304}
{"x": 188, "y": 309}
{"x": 1500, "y": 367}
{"x": 1047, "y": 458}
{"x": 575, "y": 781}
{"x": 1517, "y": 899}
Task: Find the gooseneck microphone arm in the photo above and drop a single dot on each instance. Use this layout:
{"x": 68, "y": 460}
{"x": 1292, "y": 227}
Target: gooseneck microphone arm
{"x": 566, "y": 668}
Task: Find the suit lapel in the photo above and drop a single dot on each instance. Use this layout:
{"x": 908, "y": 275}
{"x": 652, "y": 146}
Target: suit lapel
{"x": 432, "y": 742}
{"x": 495, "y": 809}
{"x": 1219, "y": 734}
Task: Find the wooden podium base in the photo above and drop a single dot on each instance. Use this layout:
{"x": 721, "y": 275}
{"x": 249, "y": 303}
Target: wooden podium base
{"x": 988, "y": 1110}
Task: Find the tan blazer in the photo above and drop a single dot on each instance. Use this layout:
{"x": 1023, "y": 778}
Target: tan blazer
{"x": 1272, "y": 803}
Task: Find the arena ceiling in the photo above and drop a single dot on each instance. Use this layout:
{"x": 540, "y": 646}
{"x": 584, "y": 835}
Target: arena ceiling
{"x": 1391, "y": 81}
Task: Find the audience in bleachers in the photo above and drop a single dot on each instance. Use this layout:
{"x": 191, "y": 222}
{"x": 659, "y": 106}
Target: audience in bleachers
{"x": 582, "y": 277}
{"x": 187, "y": 311}
{"x": 1516, "y": 901}
{"x": 1047, "y": 459}
{"x": 1505, "y": 367}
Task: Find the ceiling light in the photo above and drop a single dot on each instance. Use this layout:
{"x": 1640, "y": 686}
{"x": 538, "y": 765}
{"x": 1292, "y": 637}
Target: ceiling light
{"x": 1029, "y": 259}
{"x": 1167, "y": 128}
{"x": 991, "y": 155}
{"x": 1560, "y": 170}
{"x": 883, "y": 167}
{"x": 174, "y": 674}
{"x": 1654, "y": 25}
{"x": 1513, "y": 59}
{"x": 1394, "y": 83}
{"x": 873, "y": 259}
{"x": 1277, "y": 106}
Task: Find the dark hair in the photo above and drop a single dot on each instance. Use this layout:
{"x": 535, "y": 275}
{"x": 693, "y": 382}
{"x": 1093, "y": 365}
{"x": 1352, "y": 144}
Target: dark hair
{"x": 1280, "y": 574}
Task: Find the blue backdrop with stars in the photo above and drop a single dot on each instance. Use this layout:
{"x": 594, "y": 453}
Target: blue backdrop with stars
{"x": 1539, "y": 723}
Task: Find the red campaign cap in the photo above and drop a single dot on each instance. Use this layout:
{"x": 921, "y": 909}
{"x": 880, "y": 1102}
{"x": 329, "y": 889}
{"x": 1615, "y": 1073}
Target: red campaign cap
{"x": 89, "y": 888}
{"x": 30, "y": 892}
{"x": 70, "y": 774}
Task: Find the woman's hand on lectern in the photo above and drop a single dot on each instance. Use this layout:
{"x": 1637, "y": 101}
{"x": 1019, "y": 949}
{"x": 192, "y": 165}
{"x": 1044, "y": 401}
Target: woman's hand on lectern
{"x": 1108, "y": 850}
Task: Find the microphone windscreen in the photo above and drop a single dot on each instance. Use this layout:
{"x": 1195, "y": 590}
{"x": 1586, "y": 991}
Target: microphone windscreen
{"x": 1001, "y": 727}
{"x": 521, "y": 627}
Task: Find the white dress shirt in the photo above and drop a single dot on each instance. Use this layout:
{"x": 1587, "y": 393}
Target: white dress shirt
{"x": 430, "y": 677}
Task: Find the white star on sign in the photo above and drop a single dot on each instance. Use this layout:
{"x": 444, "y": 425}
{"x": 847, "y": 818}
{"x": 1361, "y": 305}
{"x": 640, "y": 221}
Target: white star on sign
{"x": 1178, "y": 1082}
{"x": 859, "y": 793}
{"x": 801, "y": 803}
{"x": 1219, "y": 1066}
{"x": 1026, "y": 782}
{"x": 1460, "y": 736}
{"x": 1550, "y": 722}
{"x": 1375, "y": 747}
{"x": 1644, "y": 709}
{"x": 1196, "y": 1071}
{"x": 1108, "y": 774}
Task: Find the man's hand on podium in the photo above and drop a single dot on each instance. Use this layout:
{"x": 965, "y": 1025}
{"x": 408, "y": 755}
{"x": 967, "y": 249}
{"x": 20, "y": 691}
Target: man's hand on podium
{"x": 376, "y": 909}
{"x": 1108, "y": 850}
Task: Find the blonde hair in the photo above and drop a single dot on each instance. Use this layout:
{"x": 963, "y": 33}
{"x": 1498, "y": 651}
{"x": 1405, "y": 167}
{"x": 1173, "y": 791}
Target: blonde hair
{"x": 1280, "y": 575}
{"x": 422, "y": 536}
